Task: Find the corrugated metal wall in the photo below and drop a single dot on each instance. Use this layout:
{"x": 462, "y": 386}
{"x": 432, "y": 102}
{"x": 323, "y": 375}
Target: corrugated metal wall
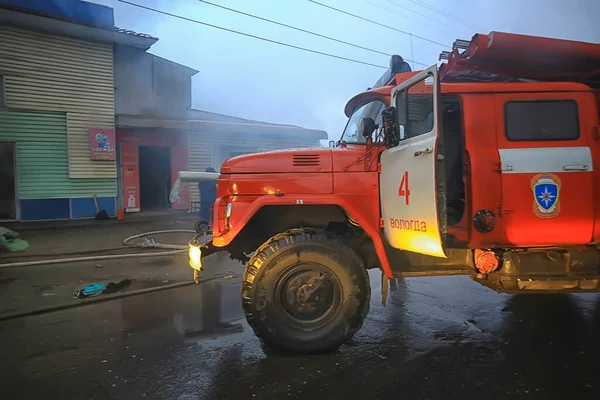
{"x": 200, "y": 154}
{"x": 42, "y": 162}
{"x": 54, "y": 73}
{"x": 207, "y": 149}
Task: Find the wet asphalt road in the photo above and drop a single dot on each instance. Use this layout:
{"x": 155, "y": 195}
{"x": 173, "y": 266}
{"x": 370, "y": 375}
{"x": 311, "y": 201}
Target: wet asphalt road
{"x": 438, "y": 338}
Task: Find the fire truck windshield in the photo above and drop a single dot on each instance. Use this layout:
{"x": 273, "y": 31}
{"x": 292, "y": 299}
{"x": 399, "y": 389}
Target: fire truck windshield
{"x": 371, "y": 109}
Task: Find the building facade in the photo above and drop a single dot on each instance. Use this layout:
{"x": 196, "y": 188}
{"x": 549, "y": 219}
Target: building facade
{"x": 159, "y": 134}
{"x": 57, "y": 103}
{"x": 87, "y": 115}
{"x": 56, "y": 89}
{"x": 198, "y": 144}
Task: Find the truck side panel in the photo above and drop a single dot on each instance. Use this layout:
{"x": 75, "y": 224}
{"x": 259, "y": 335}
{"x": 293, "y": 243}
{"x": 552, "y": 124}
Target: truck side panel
{"x": 545, "y": 142}
{"x": 596, "y": 154}
{"x": 483, "y": 181}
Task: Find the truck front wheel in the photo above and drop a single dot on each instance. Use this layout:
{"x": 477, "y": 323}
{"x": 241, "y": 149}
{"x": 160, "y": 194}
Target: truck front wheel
{"x": 305, "y": 291}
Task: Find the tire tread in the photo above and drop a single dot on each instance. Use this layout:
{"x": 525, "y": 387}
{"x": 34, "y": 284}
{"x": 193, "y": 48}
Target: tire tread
{"x": 279, "y": 243}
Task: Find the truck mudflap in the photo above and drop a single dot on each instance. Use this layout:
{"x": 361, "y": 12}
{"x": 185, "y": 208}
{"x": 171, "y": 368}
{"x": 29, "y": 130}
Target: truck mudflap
{"x": 199, "y": 247}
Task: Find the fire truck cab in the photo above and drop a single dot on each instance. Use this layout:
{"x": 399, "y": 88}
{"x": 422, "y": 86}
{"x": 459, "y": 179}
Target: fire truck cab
{"x": 488, "y": 166}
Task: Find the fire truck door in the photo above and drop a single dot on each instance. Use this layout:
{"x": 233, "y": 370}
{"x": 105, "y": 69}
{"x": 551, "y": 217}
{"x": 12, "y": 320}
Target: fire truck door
{"x": 408, "y": 184}
{"x": 547, "y": 170}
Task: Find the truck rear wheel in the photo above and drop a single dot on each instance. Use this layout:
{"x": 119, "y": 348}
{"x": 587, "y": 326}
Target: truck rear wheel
{"x": 304, "y": 291}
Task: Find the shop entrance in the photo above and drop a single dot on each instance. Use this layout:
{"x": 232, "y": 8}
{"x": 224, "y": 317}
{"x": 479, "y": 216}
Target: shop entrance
{"x": 8, "y": 175}
{"x": 155, "y": 177}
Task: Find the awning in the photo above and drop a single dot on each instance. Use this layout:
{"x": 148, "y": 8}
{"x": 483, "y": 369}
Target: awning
{"x": 129, "y": 121}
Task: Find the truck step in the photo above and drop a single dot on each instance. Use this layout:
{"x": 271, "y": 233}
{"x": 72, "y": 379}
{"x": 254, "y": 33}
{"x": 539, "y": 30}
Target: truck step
{"x": 536, "y": 284}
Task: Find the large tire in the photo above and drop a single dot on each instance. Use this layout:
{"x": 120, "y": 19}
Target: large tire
{"x": 277, "y": 286}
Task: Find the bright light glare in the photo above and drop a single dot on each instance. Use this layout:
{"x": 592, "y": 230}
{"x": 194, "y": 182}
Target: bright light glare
{"x": 195, "y": 255}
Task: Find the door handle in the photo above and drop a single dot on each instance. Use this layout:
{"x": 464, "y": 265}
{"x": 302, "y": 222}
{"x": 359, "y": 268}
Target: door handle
{"x": 426, "y": 150}
{"x": 575, "y": 167}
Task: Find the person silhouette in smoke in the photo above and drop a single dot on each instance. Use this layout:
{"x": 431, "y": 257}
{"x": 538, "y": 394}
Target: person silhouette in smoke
{"x": 208, "y": 195}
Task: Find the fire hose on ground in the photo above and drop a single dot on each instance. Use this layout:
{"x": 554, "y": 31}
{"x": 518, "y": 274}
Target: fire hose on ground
{"x": 144, "y": 244}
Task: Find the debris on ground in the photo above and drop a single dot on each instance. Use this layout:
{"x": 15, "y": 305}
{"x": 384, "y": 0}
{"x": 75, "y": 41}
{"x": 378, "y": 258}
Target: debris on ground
{"x": 95, "y": 289}
{"x": 115, "y": 287}
{"x": 10, "y": 240}
{"x": 91, "y": 290}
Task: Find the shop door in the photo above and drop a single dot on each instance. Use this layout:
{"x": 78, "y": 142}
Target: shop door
{"x": 130, "y": 169}
{"x": 8, "y": 175}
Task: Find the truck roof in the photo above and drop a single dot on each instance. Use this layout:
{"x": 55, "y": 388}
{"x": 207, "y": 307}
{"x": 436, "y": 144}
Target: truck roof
{"x": 456, "y": 87}
{"x": 502, "y": 57}
{"x": 508, "y": 62}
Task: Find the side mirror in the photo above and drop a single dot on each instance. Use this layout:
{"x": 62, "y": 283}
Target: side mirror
{"x": 331, "y": 143}
{"x": 367, "y": 127}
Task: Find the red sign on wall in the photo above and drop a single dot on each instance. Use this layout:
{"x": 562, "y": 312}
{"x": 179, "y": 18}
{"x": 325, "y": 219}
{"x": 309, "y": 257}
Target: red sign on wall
{"x": 131, "y": 177}
{"x": 102, "y": 144}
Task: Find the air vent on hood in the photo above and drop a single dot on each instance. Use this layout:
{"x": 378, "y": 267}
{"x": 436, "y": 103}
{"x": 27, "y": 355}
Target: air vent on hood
{"x": 306, "y": 160}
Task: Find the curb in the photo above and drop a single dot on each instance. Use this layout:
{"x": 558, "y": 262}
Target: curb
{"x": 93, "y": 300}
{"x": 90, "y": 222}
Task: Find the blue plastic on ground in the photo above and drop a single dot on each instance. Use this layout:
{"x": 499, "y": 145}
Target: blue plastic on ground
{"x": 93, "y": 288}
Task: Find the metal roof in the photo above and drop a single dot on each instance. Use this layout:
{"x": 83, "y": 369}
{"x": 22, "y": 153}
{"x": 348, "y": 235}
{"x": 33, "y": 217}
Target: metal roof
{"x": 215, "y": 126}
{"x": 133, "y": 33}
{"x": 65, "y": 26}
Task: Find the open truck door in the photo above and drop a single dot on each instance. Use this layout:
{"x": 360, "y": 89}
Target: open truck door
{"x": 412, "y": 182}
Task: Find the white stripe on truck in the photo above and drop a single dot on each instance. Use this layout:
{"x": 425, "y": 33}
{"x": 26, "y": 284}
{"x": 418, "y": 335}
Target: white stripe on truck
{"x": 546, "y": 159}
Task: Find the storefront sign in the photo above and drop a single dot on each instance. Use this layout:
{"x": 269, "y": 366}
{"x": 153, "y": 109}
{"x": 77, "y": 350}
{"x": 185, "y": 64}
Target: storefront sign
{"x": 102, "y": 144}
{"x": 131, "y": 177}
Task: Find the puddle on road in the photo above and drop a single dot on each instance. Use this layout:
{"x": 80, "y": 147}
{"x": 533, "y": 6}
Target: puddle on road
{"x": 138, "y": 285}
{"x": 128, "y": 327}
{"x": 194, "y": 340}
{"x": 6, "y": 281}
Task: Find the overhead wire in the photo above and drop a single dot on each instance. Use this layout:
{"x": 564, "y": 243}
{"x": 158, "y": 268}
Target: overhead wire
{"x": 293, "y": 27}
{"x": 406, "y": 16}
{"x": 258, "y": 37}
{"x": 423, "y": 15}
{"x": 441, "y": 12}
{"x": 378, "y": 23}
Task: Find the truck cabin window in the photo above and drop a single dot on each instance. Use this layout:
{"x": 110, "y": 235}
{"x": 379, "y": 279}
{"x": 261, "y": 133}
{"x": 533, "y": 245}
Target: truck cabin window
{"x": 371, "y": 109}
{"x": 541, "y": 120}
{"x": 414, "y": 110}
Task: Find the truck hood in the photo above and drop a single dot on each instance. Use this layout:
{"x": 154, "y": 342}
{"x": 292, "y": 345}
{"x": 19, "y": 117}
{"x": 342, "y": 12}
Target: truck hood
{"x": 280, "y": 161}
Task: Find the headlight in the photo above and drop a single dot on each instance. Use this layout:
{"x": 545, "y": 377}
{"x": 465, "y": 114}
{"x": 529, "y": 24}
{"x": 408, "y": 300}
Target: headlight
{"x": 195, "y": 255}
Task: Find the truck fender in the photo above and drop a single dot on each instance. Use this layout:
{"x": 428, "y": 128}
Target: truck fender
{"x": 243, "y": 211}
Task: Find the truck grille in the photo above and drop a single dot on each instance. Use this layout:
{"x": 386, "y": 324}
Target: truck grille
{"x": 306, "y": 160}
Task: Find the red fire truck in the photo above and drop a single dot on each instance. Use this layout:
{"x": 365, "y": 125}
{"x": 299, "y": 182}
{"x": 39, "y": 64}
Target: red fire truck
{"x": 488, "y": 166}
